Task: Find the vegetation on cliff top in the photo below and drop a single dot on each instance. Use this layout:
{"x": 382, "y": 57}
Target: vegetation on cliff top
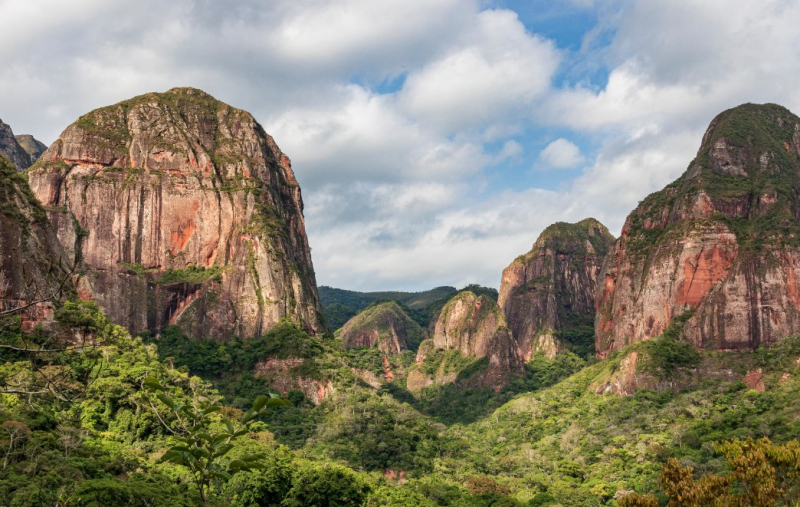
{"x": 16, "y": 196}
{"x": 760, "y": 138}
{"x": 564, "y": 237}
{"x": 384, "y": 318}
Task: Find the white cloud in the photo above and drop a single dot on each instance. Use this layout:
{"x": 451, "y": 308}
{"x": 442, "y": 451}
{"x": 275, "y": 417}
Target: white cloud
{"x": 497, "y": 68}
{"x": 562, "y": 153}
{"x": 404, "y": 183}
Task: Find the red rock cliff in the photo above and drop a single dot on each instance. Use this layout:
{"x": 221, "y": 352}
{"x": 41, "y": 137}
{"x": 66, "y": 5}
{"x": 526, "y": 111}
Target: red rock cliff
{"x": 719, "y": 247}
{"x": 474, "y": 326}
{"x": 548, "y": 294}
{"x": 184, "y": 211}
{"x": 33, "y": 267}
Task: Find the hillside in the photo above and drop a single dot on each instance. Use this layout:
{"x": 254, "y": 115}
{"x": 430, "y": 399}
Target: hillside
{"x": 384, "y": 326}
{"x": 339, "y": 305}
{"x": 10, "y": 147}
{"x": 176, "y": 216}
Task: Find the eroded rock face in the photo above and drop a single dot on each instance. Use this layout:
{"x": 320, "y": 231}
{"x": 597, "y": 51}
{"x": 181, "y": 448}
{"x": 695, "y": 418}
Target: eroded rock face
{"x": 32, "y": 146}
{"x": 185, "y": 212}
{"x": 719, "y": 248}
{"x": 11, "y": 148}
{"x": 33, "y": 266}
{"x": 384, "y": 326}
{"x": 474, "y": 326}
{"x": 552, "y": 287}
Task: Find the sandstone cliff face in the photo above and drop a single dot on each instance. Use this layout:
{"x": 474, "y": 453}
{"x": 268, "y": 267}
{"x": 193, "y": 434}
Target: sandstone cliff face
{"x": 32, "y": 264}
{"x": 184, "y": 211}
{"x": 384, "y": 326}
{"x": 11, "y": 148}
{"x": 719, "y": 247}
{"x": 473, "y": 326}
{"x": 548, "y": 294}
{"x": 32, "y": 146}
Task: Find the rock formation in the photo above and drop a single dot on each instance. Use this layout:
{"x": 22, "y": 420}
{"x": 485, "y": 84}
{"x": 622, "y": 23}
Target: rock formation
{"x": 32, "y": 146}
{"x": 11, "y": 148}
{"x": 384, "y": 326}
{"x": 33, "y": 267}
{"x": 473, "y": 326}
{"x": 183, "y": 211}
{"x": 548, "y": 294}
{"x": 286, "y": 375}
{"x": 716, "y": 253}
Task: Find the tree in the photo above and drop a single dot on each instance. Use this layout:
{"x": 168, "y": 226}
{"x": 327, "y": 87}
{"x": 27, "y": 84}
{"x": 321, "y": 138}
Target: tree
{"x": 204, "y": 437}
{"x": 761, "y": 474}
{"x": 326, "y": 486}
{"x": 58, "y": 364}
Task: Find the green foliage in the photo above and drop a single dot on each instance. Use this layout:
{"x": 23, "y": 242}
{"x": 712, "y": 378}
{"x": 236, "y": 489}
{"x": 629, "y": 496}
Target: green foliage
{"x": 326, "y": 486}
{"x": 204, "y": 437}
{"x": 665, "y": 355}
{"x": 265, "y": 487}
{"x": 385, "y": 319}
{"x": 375, "y": 432}
{"x": 137, "y": 491}
{"x": 16, "y": 199}
{"x": 453, "y": 404}
{"x": 762, "y": 474}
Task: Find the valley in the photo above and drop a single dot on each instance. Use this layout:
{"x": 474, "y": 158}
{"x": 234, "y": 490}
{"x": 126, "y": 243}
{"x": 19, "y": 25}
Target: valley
{"x": 155, "y": 264}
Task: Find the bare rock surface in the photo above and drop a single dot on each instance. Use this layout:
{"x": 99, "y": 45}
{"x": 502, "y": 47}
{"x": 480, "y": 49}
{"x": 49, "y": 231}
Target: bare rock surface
{"x": 548, "y": 294}
{"x": 719, "y": 247}
{"x": 468, "y": 326}
{"x": 183, "y": 211}
{"x": 10, "y": 147}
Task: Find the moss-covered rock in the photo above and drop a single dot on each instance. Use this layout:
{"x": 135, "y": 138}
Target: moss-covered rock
{"x": 384, "y": 326}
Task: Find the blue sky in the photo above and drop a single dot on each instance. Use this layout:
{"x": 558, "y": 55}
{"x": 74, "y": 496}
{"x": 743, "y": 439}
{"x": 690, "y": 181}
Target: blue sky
{"x": 433, "y": 139}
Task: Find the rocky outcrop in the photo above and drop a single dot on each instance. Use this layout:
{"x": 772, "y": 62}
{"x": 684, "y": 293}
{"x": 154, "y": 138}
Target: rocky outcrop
{"x": 717, "y": 252}
{"x": 548, "y": 294}
{"x": 473, "y": 327}
{"x": 384, "y": 326}
{"x": 32, "y": 146}
{"x": 33, "y": 268}
{"x": 11, "y": 148}
{"x": 183, "y": 211}
{"x": 282, "y": 375}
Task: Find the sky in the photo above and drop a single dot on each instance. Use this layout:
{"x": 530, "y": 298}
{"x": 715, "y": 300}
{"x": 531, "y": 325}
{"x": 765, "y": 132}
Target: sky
{"x": 433, "y": 139}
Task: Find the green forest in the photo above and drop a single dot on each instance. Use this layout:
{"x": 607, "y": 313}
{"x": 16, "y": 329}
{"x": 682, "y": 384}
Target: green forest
{"x": 150, "y": 420}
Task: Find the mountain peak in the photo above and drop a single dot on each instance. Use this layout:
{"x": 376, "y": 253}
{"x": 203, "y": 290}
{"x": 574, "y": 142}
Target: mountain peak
{"x": 211, "y": 201}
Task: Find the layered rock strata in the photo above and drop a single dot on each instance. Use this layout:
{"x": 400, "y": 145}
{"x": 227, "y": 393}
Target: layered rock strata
{"x": 183, "y": 211}
{"x": 548, "y": 294}
{"x": 716, "y": 254}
